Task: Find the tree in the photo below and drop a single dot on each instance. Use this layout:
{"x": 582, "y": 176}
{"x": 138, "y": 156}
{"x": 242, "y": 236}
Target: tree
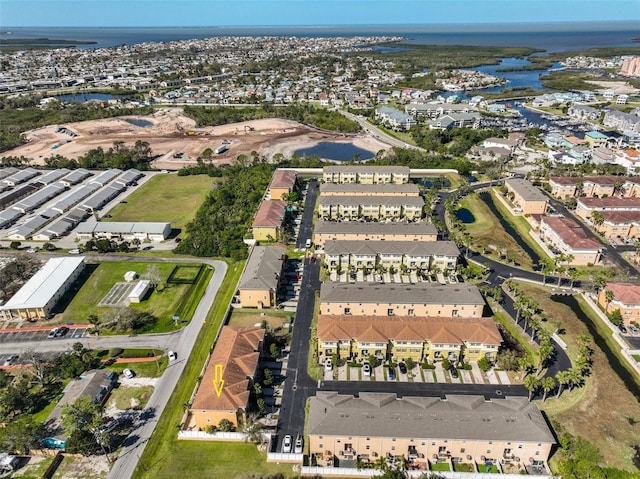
{"x": 615, "y": 317}
{"x": 372, "y": 360}
{"x": 532, "y": 384}
{"x": 253, "y": 429}
{"x": 21, "y": 435}
{"x": 153, "y": 274}
{"x": 597, "y": 218}
{"x": 15, "y": 245}
{"x": 274, "y": 350}
{"x": 83, "y": 423}
{"x": 608, "y": 296}
{"x": 507, "y": 360}
{"x": 547, "y": 383}
{"x": 226, "y": 426}
{"x": 563, "y": 378}
{"x": 40, "y": 369}
{"x": 484, "y": 364}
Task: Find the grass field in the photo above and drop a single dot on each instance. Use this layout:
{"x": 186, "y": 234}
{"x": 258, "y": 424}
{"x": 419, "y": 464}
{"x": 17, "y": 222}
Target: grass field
{"x": 486, "y": 230}
{"x": 163, "y": 305}
{"x": 167, "y": 457}
{"x": 251, "y": 317}
{"x": 147, "y": 369}
{"x": 165, "y": 198}
{"x": 126, "y": 397}
{"x": 604, "y": 411}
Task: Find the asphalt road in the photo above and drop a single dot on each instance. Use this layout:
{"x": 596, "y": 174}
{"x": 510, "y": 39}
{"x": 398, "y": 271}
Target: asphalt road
{"x": 424, "y": 389}
{"x": 143, "y": 428}
{"x": 306, "y": 224}
{"x": 378, "y": 133}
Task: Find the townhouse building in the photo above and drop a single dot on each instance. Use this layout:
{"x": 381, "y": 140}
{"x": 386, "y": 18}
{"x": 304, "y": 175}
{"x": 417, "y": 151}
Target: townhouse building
{"x": 386, "y": 300}
{"x": 587, "y": 206}
{"x": 626, "y": 298}
{"x": 620, "y": 224}
{"x": 365, "y": 174}
{"x": 345, "y": 429}
{"x": 365, "y": 189}
{"x": 269, "y": 219}
{"x": 565, "y": 236}
{"x": 325, "y": 231}
{"x": 282, "y": 184}
{"x": 526, "y": 198}
{"x": 355, "y": 338}
{"x": 621, "y": 121}
{"x": 370, "y": 207}
{"x": 258, "y": 286}
{"x": 583, "y": 112}
{"x": 630, "y": 159}
{"x": 397, "y": 255}
{"x": 595, "y": 138}
{"x": 435, "y": 110}
{"x": 394, "y": 118}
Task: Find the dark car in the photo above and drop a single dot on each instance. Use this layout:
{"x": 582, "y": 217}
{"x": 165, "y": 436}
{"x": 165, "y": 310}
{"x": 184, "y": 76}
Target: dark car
{"x": 622, "y": 329}
{"x": 61, "y": 331}
{"x": 454, "y": 373}
{"x": 391, "y": 374}
{"x": 403, "y": 368}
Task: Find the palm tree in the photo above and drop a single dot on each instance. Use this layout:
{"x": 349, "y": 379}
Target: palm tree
{"x": 563, "y": 378}
{"x": 597, "y": 218}
{"x": 532, "y": 384}
{"x": 608, "y": 296}
{"x": 519, "y": 304}
{"x": 547, "y": 383}
{"x": 575, "y": 378}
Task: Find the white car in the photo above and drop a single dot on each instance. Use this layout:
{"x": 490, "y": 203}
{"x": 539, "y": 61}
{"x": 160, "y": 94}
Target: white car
{"x": 307, "y": 244}
{"x": 128, "y": 373}
{"x": 10, "y": 360}
{"x": 366, "y": 369}
{"x": 286, "y": 444}
{"x": 172, "y": 356}
{"x": 298, "y": 447}
{"x": 328, "y": 365}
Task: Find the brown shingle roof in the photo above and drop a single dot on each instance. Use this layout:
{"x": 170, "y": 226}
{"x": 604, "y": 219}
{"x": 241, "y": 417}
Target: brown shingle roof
{"x": 283, "y": 179}
{"x": 625, "y": 293}
{"x": 437, "y": 330}
{"x": 571, "y": 233}
{"x": 270, "y": 214}
{"x": 617, "y": 217}
{"x": 609, "y": 202}
{"x": 236, "y": 351}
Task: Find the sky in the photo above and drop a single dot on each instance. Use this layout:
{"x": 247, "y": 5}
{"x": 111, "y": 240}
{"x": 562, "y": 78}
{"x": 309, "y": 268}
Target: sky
{"x": 194, "y": 13}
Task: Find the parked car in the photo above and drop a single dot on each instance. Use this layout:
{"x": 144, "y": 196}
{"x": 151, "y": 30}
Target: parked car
{"x": 52, "y": 333}
{"x": 298, "y": 446}
{"x": 622, "y": 329}
{"x": 402, "y": 367}
{"x": 286, "y": 444}
{"x": 391, "y": 374}
{"x": 328, "y": 364}
{"x": 307, "y": 244}
{"x": 61, "y": 331}
{"x": 128, "y": 373}
{"x": 10, "y": 360}
{"x": 454, "y": 373}
{"x": 366, "y": 369}
{"x": 633, "y": 330}
{"x": 172, "y": 356}
{"x": 110, "y": 426}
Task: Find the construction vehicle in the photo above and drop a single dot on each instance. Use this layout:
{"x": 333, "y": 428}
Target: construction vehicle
{"x": 248, "y": 128}
{"x": 190, "y": 133}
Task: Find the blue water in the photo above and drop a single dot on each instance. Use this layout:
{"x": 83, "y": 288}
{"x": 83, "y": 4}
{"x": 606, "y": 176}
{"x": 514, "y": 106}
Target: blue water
{"x": 465, "y": 216}
{"x": 516, "y": 78}
{"x": 139, "y": 122}
{"x": 550, "y": 37}
{"x": 82, "y": 97}
{"x": 336, "y": 151}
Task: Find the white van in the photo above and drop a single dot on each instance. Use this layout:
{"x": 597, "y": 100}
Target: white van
{"x": 307, "y": 243}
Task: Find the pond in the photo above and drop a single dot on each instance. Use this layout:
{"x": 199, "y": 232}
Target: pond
{"x": 465, "y": 216}
{"x": 336, "y": 151}
{"x": 82, "y": 97}
{"x": 139, "y": 122}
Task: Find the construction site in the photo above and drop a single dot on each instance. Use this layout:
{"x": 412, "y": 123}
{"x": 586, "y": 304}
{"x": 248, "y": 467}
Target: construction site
{"x": 175, "y": 140}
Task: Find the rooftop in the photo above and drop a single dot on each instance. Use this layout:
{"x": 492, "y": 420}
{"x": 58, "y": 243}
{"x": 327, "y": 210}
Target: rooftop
{"x": 408, "y": 189}
{"x": 571, "y": 233}
{"x": 283, "y": 179}
{"x": 625, "y": 293}
{"x": 374, "y": 227}
{"x": 263, "y": 268}
{"x": 609, "y": 202}
{"x": 416, "y": 201}
{"x": 525, "y": 189}
{"x": 366, "y": 169}
{"x": 270, "y": 214}
{"x": 409, "y": 248}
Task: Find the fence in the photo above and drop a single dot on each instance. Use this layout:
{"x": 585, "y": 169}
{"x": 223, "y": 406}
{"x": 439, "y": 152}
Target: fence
{"x": 352, "y": 472}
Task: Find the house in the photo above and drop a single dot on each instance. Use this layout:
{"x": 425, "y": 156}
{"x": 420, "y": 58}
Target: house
{"x": 261, "y": 278}
{"x": 345, "y": 430}
{"x": 37, "y": 298}
{"x": 139, "y": 291}
{"x": 370, "y": 207}
{"x": 237, "y": 354}
{"x": 630, "y": 159}
{"x": 583, "y": 112}
{"x": 567, "y": 237}
{"x": 602, "y": 155}
{"x": 526, "y": 198}
{"x": 455, "y": 120}
{"x": 505, "y": 143}
{"x": 355, "y": 338}
{"x": 365, "y": 174}
{"x": 325, "y": 231}
{"x": 267, "y": 224}
{"x": 394, "y": 118}
{"x": 626, "y": 298}
{"x": 384, "y": 300}
{"x": 282, "y": 184}
{"x": 621, "y": 121}
{"x": 412, "y": 255}
{"x": 595, "y": 139}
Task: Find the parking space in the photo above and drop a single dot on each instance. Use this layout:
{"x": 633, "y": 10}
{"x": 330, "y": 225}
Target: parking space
{"x": 69, "y": 331}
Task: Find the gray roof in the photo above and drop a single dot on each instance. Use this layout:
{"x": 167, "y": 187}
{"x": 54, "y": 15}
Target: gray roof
{"x": 372, "y": 200}
{"x": 397, "y": 115}
{"x": 21, "y": 176}
{"x": 40, "y": 197}
{"x": 378, "y": 189}
{"x": 374, "y": 227}
{"x": 525, "y": 189}
{"x": 129, "y": 177}
{"x": 52, "y": 176}
{"x": 411, "y": 248}
{"x": 106, "y": 176}
{"x": 103, "y": 196}
{"x": 366, "y": 169}
{"x": 455, "y": 417}
{"x": 263, "y": 268}
{"x": 76, "y": 176}
{"x": 419, "y": 293}
{"x": 123, "y": 227}
{"x": 75, "y": 196}
{"x": 4, "y": 172}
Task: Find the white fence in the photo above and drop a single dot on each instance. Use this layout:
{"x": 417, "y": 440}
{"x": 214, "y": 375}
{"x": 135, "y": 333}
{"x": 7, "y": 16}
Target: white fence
{"x": 218, "y": 436}
{"x": 284, "y": 457}
{"x": 352, "y": 472}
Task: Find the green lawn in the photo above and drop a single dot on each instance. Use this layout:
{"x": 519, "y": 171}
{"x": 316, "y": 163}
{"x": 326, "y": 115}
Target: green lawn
{"x": 147, "y": 369}
{"x": 165, "y": 198}
{"x": 163, "y": 305}
{"x": 440, "y": 467}
{"x": 125, "y": 397}
{"x": 167, "y": 457}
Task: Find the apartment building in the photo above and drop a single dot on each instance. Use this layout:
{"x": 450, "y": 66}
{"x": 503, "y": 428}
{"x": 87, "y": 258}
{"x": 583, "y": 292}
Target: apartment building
{"x": 258, "y": 286}
{"x": 364, "y": 189}
{"x": 413, "y": 255}
{"x": 344, "y": 429}
{"x": 594, "y": 186}
{"x": 370, "y": 207}
{"x": 283, "y": 182}
{"x": 620, "y": 224}
{"x": 626, "y": 298}
{"x": 565, "y": 236}
{"x": 384, "y": 300}
{"x": 398, "y": 338}
{"x": 365, "y": 174}
{"x": 586, "y": 206}
{"x": 394, "y": 118}
{"x": 237, "y": 351}
{"x": 325, "y": 231}
{"x": 269, "y": 219}
{"x": 526, "y": 198}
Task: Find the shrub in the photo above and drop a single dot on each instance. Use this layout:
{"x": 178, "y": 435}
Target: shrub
{"x": 484, "y": 364}
{"x": 115, "y": 352}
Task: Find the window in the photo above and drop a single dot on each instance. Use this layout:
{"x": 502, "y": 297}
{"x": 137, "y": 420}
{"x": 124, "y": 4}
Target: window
{"x": 488, "y": 451}
{"x": 389, "y": 312}
{"x": 320, "y": 445}
{"x": 411, "y": 312}
{"x": 462, "y": 449}
{"x": 347, "y": 310}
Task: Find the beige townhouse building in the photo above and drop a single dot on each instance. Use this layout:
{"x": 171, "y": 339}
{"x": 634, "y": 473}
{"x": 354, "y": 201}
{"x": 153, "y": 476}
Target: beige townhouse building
{"x": 372, "y": 231}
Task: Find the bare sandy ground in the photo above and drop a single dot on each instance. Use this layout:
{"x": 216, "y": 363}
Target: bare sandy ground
{"x": 618, "y": 87}
{"x": 177, "y": 142}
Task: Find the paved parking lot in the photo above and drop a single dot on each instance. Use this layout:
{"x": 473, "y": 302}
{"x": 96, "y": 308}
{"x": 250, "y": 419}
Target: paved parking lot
{"x": 418, "y": 375}
{"x": 40, "y": 334}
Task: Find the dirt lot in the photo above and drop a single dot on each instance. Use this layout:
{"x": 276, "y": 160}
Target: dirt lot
{"x": 176, "y": 138}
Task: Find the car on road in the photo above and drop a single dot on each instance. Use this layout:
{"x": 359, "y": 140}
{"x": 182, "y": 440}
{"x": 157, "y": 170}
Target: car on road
{"x": 391, "y": 374}
{"x": 286, "y": 444}
{"x": 313, "y": 259}
{"x": 128, "y": 373}
{"x": 298, "y": 446}
{"x": 366, "y": 369}
{"x": 172, "y": 356}
{"x": 328, "y": 365}
{"x": 52, "y": 333}
{"x": 633, "y": 330}
{"x": 307, "y": 244}
{"x": 402, "y": 367}
{"x": 622, "y": 329}
{"x": 10, "y": 360}
{"x": 454, "y": 373}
